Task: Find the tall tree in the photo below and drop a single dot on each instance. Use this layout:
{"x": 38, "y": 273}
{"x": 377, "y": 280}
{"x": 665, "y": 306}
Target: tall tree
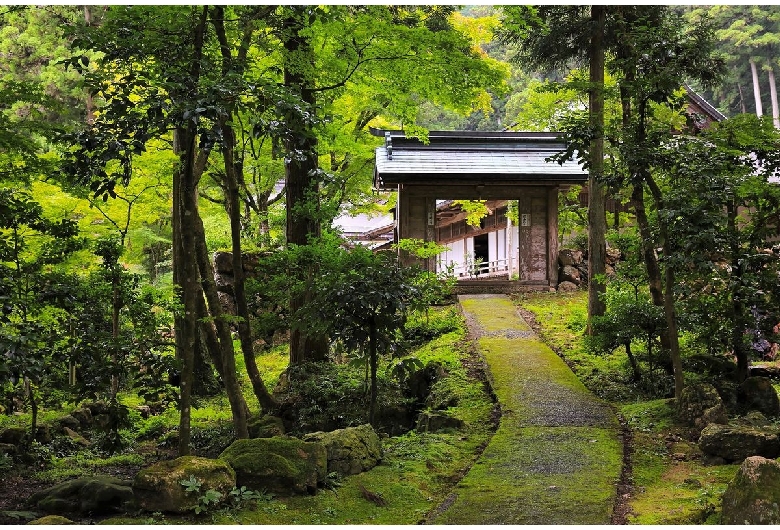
{"x": 362, "y": 52}
{"x": 170, "y": 92}
{"x": 597, "y": 194}
{"x": 565, "y": 36}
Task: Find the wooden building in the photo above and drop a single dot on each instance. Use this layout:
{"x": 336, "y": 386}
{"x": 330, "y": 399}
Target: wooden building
{"x": 494, "y": 166}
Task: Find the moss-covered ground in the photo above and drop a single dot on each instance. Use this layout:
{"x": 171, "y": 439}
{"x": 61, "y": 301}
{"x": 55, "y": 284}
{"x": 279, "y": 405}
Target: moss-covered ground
{"x": 669, "y": 483}
{"x": 556, "y": 456}
{"x": 416, "y": 474}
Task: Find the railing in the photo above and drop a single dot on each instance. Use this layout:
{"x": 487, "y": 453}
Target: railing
{"x": 480, "y": 269}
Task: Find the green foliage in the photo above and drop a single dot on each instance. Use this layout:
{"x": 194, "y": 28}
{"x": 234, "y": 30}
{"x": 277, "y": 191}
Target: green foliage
{"x": 628, "y": 319}
{"x": 360, "y": 304}
{"x": 475, "y": 210}
{"x": 419, "y": 248}
{"x": 730, "y": 291}
{"x": 418, "y": 331}
{"x": 572, "y": 216}
{"x": 328, "y": 396}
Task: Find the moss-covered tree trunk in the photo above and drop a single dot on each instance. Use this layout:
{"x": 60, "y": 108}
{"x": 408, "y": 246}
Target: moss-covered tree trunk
{"x": 238, "y": 406}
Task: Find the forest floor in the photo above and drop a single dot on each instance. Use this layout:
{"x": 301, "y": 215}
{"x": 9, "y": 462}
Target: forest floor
{"x": 557, "y": 454}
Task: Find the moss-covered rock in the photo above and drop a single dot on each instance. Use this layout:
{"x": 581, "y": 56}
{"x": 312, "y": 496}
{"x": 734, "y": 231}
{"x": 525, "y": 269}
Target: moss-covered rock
{"x": 51, "y": 519}
{"x": 753, "y": 496}
{"x": 282, "y": 465}
{"x": 437, "y": 421}
{"x": 350, "y": 451}
{"x": 96, "y": 495}
{"x": 699, "y": 405}
{"x": 158, "y": 488}
{"x": 76, "y": 437}
{"x": 12, "y": 435}
{"x": 83, "y": 416}
{"x": 757, "y": 393}
{"x": 266, "y": 427}
{"x": 737, "y": 442}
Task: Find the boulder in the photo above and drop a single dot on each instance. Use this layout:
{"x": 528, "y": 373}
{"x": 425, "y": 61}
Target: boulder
{"x": 76, "y": 437}
{"x": 43, "y": 434}
{"x": 282, "y": 465}
{"x": 753, "y": 419}
{"x": 97, "y": 407}
{"x": 699, "y": 405}
{"x": 569, "y": 273}
{"x": 735, "y": 443}
{"x": 223, "y": 262}
{"x": 12, "y": 435}
{"x": 158, "y": 488}
{"x": 420, "y": 381}
{"x": 437, "y": 421}
{"x": 86, "y": 495}
{"x": 350, "y": 451}
{"x": 51, "y": 519}
{"x": 266, "y": 427}
{"x": 68, "y": 421}
{"x": 613, "y": 256}
{"x": 567, "y": 287}
{"x": 757, "y": 393}
{"x": 224, "y": 283}
{"x": 753, "y": 495}
{"x": 83, "y": 416}
{"x": 569, "y": 256}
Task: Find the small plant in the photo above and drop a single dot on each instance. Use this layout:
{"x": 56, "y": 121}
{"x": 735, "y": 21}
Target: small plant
{"x": 240, "y": 497}
{"x": 6, "y": 462}
{"x": 208, "y": 501}
{"x": 332, "y": 481}
{"x": 211, "y": 499}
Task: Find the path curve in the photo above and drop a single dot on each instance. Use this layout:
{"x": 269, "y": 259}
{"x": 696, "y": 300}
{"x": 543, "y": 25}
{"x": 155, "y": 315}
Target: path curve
{"x": 556, "y": 456}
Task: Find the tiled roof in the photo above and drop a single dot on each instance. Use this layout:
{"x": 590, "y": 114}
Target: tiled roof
{"x": 459, "y": 156}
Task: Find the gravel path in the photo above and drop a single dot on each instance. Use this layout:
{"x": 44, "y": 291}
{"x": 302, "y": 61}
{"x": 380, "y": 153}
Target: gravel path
{"x": 556, "y": 456}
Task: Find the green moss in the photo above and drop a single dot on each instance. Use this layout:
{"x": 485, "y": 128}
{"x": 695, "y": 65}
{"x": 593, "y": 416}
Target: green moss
{"x": 657, "y": 414}
{"x": 542, "y": 466}
{"x": 540, "y": 475}
{"x": 497, "y": 315}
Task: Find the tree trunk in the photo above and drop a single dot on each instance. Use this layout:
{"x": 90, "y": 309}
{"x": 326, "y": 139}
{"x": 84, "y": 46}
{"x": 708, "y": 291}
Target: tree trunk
{"x": 204, "y": 383}
{"x": 741, "y": 98}
{"x": 90, "y": 117}
{"x": 208, "y": 335}
{"x": 597, "y": 219}
{"x": 636, "y": 374}
{"x": 648, "y": 248}
{"x": 756, "y": 89}
{"x": 738, "y": 325}
{"x": 373, "y": 360}
{"x": 302, "y": 184}
{"x": 640, "y": 175}
{"x": 184, "y": 145}
{"x": 186, "y": 202}
{"x": 238, "y": 406}
{"x": 232, "y": 167}
{"x": 669, "y": 310}
{"x": 773, "y": 96}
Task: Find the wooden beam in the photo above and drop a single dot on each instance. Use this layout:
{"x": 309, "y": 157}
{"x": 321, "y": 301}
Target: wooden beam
{"x": 552, "y": 237}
